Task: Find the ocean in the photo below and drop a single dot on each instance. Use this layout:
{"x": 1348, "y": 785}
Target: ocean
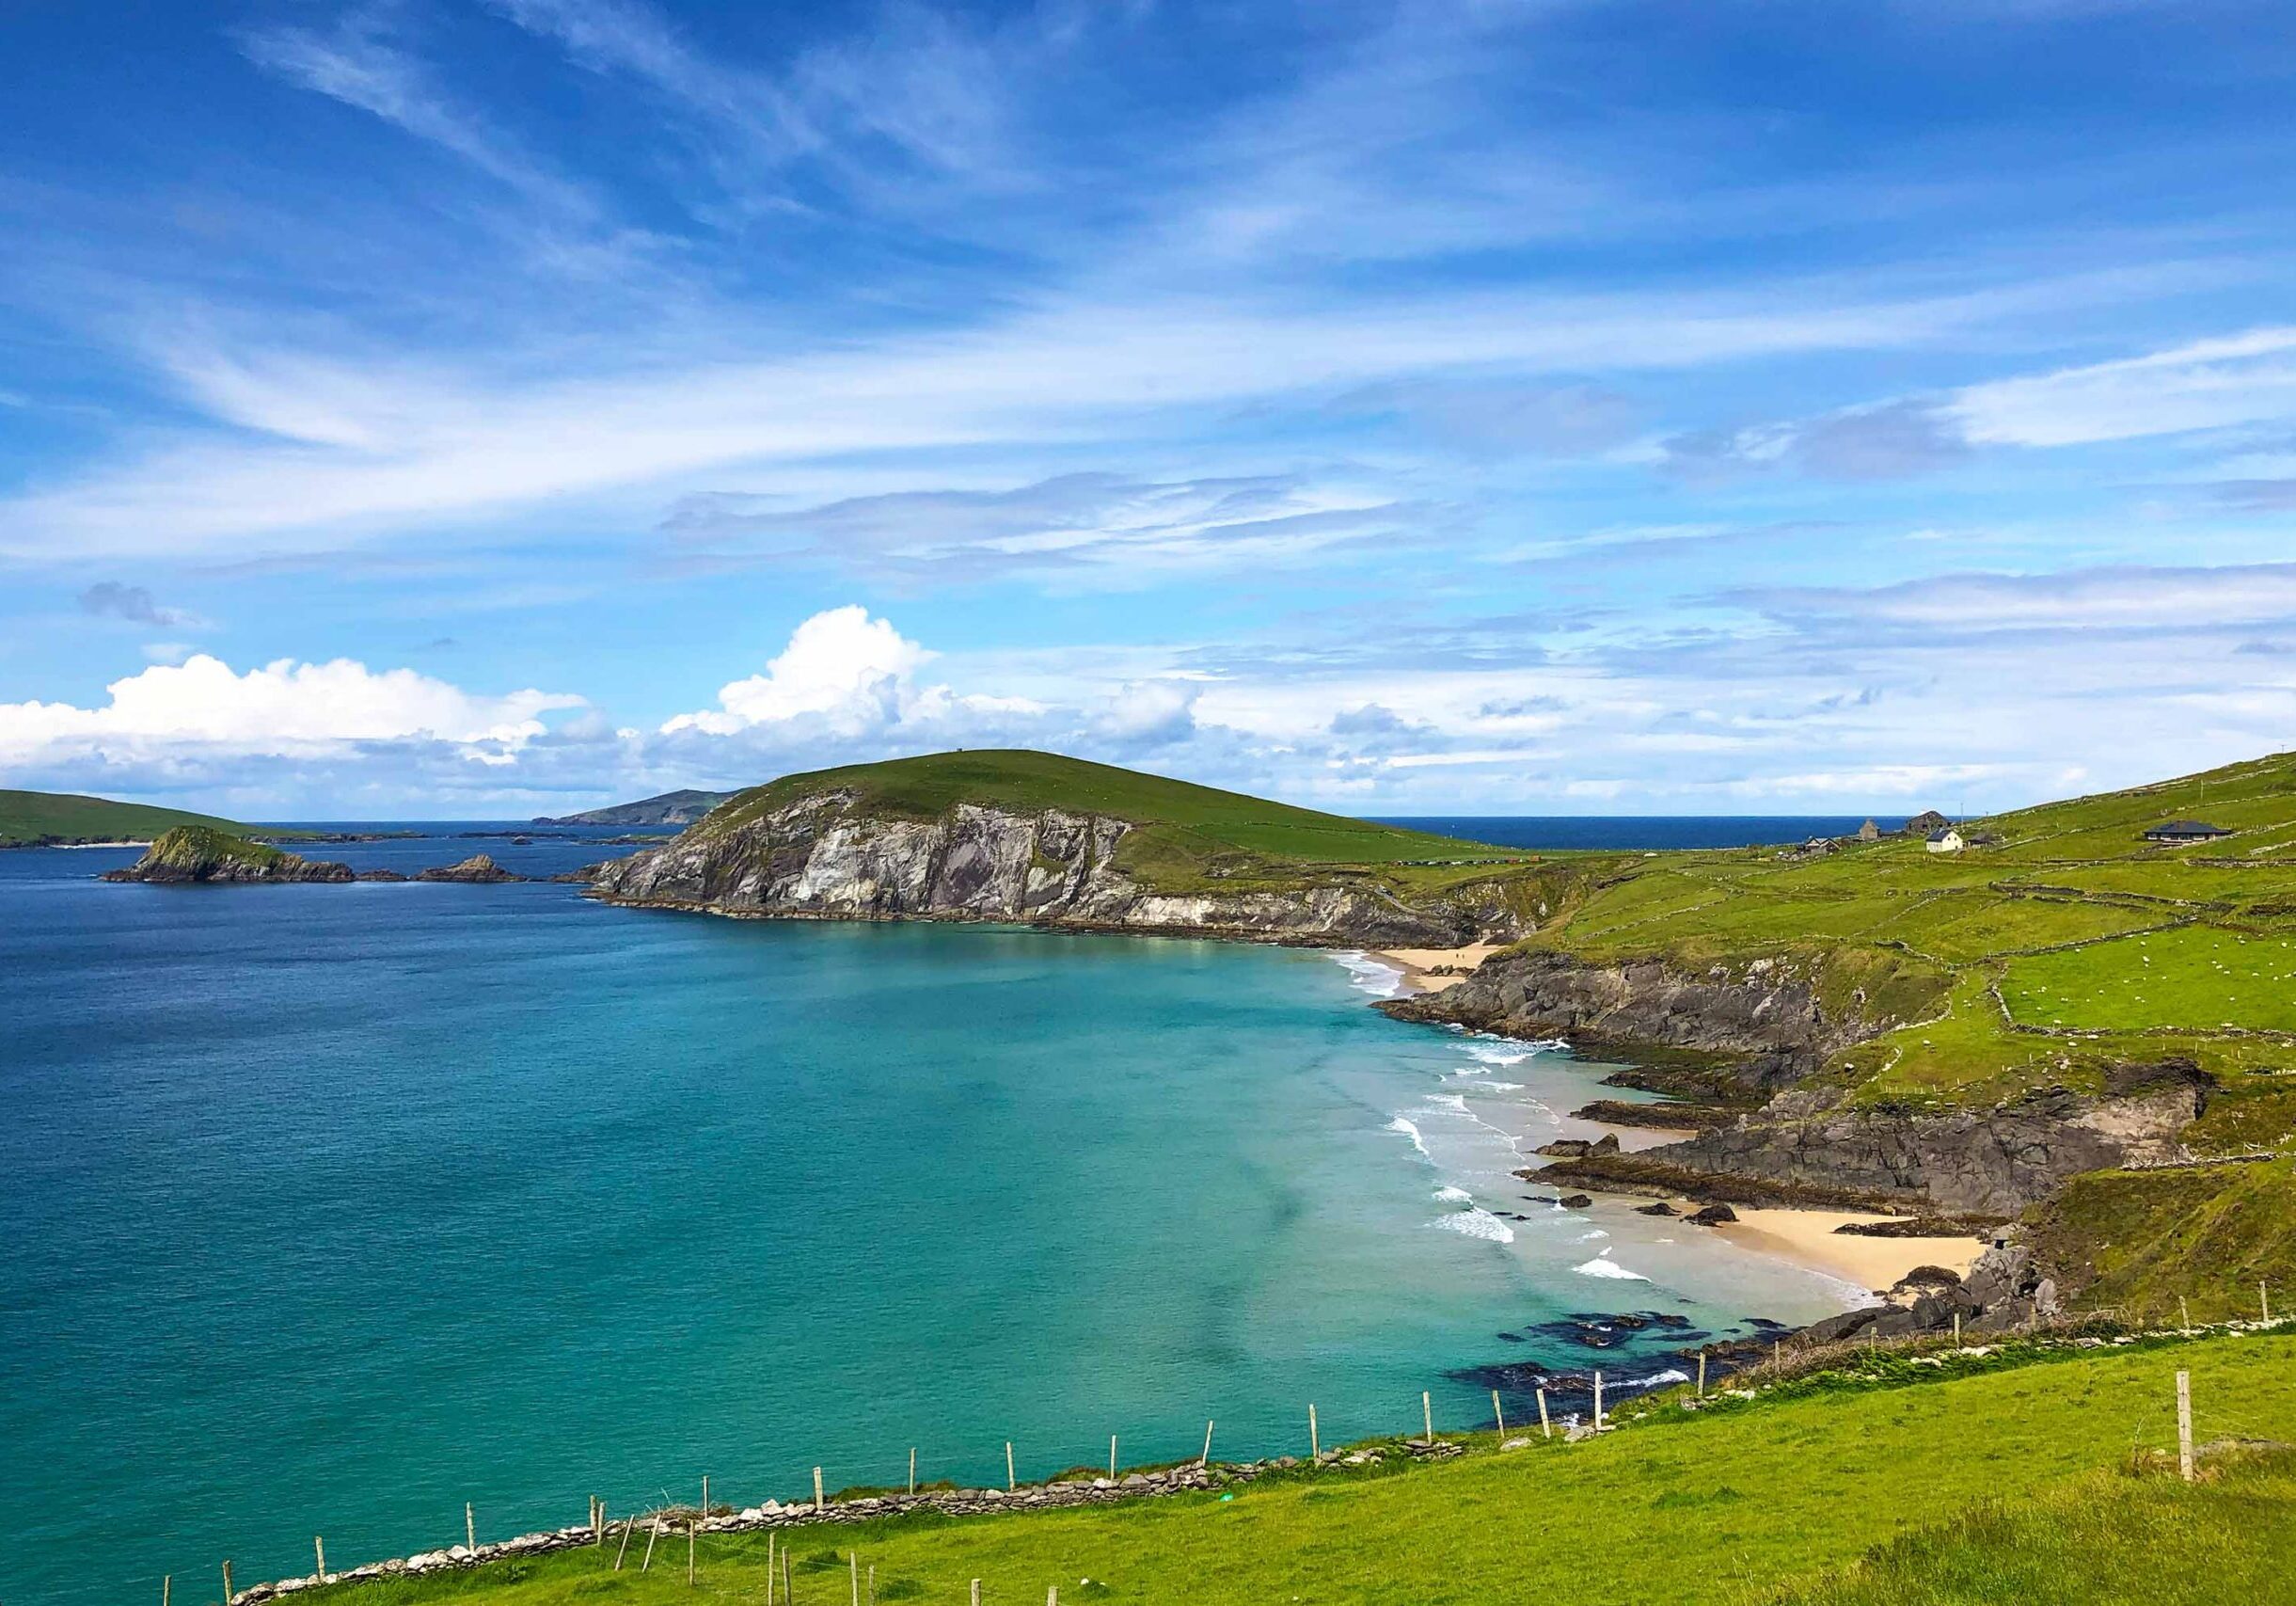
{"x": 329, "y": 1209}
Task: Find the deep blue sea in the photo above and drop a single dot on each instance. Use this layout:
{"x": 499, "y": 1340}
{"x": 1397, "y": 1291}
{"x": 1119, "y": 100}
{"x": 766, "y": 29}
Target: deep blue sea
{"x": 327, "y": 1209}
{"x": 1641, "y": 831}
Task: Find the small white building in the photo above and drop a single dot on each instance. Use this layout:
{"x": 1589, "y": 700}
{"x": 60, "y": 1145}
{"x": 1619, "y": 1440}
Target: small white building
{"x": 1945, "y": 841}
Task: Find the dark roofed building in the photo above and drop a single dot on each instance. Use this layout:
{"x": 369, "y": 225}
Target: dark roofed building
{"x": 1924, "y": 823}
{"x": 2185, "y": 831}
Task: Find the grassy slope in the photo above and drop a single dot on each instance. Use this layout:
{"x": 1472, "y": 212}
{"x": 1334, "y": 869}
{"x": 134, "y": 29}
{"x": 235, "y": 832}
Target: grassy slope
{"x": 2209, "y": 1235}
{"x": 2071, "y": 947}
{"x": 1730, "y": 1506}
{"x": 1190, "y": 837}
{"x": 33, "y": 817}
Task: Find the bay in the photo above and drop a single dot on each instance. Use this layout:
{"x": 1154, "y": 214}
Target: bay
{"x": 327, "y": 1208}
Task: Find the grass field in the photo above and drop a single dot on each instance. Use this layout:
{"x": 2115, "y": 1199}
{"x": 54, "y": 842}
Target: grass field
{"x": 2067, "y": 946}
{"x": 29, "y": 818}
{"x": 2008, "y": 1482}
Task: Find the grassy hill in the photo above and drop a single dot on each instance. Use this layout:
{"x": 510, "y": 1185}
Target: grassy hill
{"x": 2069, "y": 945}
{"x": 1190, "y": 837}
{"x": 37, "y": 819}
{"x": 1977, "y": 1480}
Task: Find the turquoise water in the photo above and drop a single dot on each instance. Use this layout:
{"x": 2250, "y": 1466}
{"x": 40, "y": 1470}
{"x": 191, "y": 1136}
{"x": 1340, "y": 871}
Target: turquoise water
{"x": 327, "y": 1208}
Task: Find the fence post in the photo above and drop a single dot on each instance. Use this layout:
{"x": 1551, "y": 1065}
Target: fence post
{"x": 1427, "y": 1417}
{"x": 1205, "y": 1459}
{"x": 2184, "y": 1424}
{"x": 1315, "y": 1445}
{"x": 624, "y": 1548}
{"x": 1010, "y": 1484}
{"x": 318, "y": 1549}
{"x": 1598, "y": 1401}
{"x": 1546, "y": 1429}
{"x": 166, "y": 1587}
{"x": 977, "y": 1591}
{"x": 470, "y": 1527}
{"x": 1702, "y": 1373}
{"x": 1112, "y": 1457}
{"x": 1499, "y": 1412}
{"x": 816, "y": 1488}
{"x": 226, "y": 1583}
{"x": 691, "y": 1525}
{"x": 705, "y": 1494}
{"x": 852, "y": 1561}
{"x": 2184, "y": 1316}
{"x": 771, "y": 1536}
{"x": 653, "y": 1533}
{"x": 913, "y": 1469}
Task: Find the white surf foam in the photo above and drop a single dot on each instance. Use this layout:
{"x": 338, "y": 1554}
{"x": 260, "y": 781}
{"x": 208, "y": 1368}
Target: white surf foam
{"x": 1411, "y": 1131}
{"x": 1368, "y": 975}
{"x": 1449, "y": 1195}
{"x": 1479, "y": 1223}
{"x": 1602, "y": 1266}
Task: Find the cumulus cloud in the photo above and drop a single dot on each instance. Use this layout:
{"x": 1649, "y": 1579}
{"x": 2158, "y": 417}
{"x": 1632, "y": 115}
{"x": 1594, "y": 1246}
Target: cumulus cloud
{"x": 853, "y": 672}
{"x": 283, "y": 708}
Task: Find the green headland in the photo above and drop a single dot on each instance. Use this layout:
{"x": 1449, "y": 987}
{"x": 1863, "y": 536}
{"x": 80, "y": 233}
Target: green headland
{"x": 34, "y": 820}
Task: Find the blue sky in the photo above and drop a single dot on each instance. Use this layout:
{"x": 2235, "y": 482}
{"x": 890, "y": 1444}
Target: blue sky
{"x": 497, "y": 406}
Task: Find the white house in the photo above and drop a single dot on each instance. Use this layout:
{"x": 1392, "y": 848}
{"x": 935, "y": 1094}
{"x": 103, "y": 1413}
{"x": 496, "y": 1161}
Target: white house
{"x": 1945, "y": 841}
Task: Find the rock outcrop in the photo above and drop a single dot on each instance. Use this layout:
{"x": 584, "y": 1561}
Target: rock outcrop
{"x": 191, "y": 854}
{"x": 825, "y": 856}
{"x": 1769, "y": 1027}
{"x": 478, "y": 869}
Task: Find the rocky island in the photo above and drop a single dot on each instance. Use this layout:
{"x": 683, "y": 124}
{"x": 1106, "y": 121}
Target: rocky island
{"x": 192, "y": 853}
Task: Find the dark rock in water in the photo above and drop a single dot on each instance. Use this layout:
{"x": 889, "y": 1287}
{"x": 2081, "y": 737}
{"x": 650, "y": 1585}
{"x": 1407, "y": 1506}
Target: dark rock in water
{"x": 1661, "y": 1208}
{"x": 1713, "y": 1215}
{"x": 1574, "y": 1200}
{"x": 1512, "y": 1338}
{"x": 1630, "y": 1322}
{"x": 478, "y": 869}
{"x": 1669, "y": 1318}
{"x": 380, "y": 875}
{"x": 1540, "y": 1198}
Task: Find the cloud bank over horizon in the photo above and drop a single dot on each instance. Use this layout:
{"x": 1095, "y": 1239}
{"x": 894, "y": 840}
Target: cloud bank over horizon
{"x": 474, "y": 407}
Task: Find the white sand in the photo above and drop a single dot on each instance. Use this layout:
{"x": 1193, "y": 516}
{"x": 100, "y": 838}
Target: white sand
{"x": 1417, "y": 962}
{"x": 1808, "y": 1238}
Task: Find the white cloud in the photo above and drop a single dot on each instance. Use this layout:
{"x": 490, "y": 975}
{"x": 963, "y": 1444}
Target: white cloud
{"x": 856, "y": 672}
{"x": 281, "y": 708}
{"x": 2209, "y": 384}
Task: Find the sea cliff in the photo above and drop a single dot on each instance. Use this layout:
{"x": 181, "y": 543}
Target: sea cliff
{"x": 828, "y": 855}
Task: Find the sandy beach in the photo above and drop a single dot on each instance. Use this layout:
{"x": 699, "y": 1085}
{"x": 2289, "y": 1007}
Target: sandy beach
{"x": 1419, "y": 965}
{"x": 1808, "y": 1238}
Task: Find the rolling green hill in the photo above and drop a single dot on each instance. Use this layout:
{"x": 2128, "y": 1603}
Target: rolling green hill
{"x": 1977, "y": 1480}
{"x": 39, "y": 819}
{"x": 1190, "y": 838}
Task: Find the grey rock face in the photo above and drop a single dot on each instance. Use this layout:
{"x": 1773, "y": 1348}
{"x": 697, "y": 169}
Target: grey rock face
{"x": 824, "y": 857}
{"x": 1975, "y": 1161}
{"x": 1773, "y": 1022}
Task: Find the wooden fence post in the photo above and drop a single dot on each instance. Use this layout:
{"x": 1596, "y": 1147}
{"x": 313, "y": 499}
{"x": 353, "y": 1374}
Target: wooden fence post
{"x": 789, "y": 1588}
{"x": 1315, "y": 1445}
{"x": 2184, "y": 1424}
{"x": 166, "y": 1587}
{"x": 705, "y": 1494}
{"x": 624, "y": 1548}
{"x": 1112, "y": 1457}
{"x": 912, "y": 1469}
{"x": 770, "y": 1538}
{"x": 816, "y": 1488}
{"x": 1702, "y": 1373}
{"x": 1957, "y": 1330}
{"x": 1546, "y": 1429}
{"x": 226, "y": 1583}
{"x": 852, "y": 1560}
{"x": 1427, "y": 1417}
{"x": 1598, "y": 1401}
{"x": 977, "y": 1591}
{"x": 470, "y": 1526}
{"x": 1205, "y": 1459}
{"x": 690, "y": 1526}
{"x": 597, "y": 1520}
{"x": 2184, "y": 1314}
{"x": 653, "y": 1534}
{"x": 1499, "y": 1411}
{"x": 318, "y": 1549}
{"x": 1009, "y": 1483}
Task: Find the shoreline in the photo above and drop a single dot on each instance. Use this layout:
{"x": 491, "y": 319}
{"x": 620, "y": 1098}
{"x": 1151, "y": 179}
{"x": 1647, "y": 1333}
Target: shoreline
{"x": 1801, "y": 1236}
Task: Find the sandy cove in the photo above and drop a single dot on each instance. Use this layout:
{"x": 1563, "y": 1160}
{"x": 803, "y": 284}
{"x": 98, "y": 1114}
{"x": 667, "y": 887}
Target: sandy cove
{"x": 1805, "y": 1237}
